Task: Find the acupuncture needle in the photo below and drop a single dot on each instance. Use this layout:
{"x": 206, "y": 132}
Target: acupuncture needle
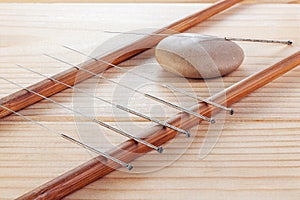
{"x": 160, "y": 84}
{"x": 211, "y": 120}
{"x": 158, "y": 149}
{"x": 126, "y": 109}
{"x": 70, "y": 139}
{"x": 288, "y": 42}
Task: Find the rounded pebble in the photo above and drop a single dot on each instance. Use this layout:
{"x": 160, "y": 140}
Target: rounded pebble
{"x": 198, "y": 56}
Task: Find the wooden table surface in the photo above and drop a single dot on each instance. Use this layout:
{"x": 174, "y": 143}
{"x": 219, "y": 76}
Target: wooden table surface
{"x": 257, "y": 155}
{"x": 152, "y": 1}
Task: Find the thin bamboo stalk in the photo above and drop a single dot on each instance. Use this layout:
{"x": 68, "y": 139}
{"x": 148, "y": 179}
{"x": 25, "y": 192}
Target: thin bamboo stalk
{"x": 72, "y": 76}
{"x": 130, "y": 150}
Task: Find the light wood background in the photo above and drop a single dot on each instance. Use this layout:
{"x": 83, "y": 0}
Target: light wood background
{"x": 257, "y": 155}
{"x": 154, "y": 1}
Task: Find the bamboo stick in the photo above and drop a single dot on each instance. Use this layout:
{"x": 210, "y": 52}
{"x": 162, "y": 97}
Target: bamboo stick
{"x": 129, "y": 150}
{"x": 72, "y": 76}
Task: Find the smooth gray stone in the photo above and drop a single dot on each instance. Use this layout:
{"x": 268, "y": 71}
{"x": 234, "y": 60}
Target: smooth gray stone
{"x": 198, "y": 56}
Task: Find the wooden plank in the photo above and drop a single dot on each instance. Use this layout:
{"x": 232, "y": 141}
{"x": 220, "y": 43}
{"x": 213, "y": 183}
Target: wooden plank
{"x": 153, "y": 1}
{"x": 257, "y": 155}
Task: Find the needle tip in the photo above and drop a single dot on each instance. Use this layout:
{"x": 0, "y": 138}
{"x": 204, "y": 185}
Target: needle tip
{"x": 231, "y": 111}
{"x": 188, "y": 134}
{"x": 160, "y": 150}
{"x": 290, "y": 42}
{"x": 212, "y": 121}
{"x": 129, "y": 167}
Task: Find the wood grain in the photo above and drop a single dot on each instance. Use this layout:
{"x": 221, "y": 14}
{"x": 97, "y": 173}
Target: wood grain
{"x": 152, "y": 1}
{"x": 47, "y": 87}
{"x": 130, "y": 150}
{"x": 257, "y": 155}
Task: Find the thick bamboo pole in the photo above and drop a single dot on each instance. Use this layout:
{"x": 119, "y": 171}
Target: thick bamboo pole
{"x": 72, "y": 76}
{"x": 130, "y": 150}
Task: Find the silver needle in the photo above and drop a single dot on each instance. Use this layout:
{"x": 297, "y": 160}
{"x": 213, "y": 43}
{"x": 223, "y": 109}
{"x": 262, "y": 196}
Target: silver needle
{"x": 163, "y": 85}
{"x": 163, "y": 123}
{"x": 289, "y": 42}
{"x": 159, "y": 149}
{"x": 70, "y": 139}
{"x": 211, "y": 120}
